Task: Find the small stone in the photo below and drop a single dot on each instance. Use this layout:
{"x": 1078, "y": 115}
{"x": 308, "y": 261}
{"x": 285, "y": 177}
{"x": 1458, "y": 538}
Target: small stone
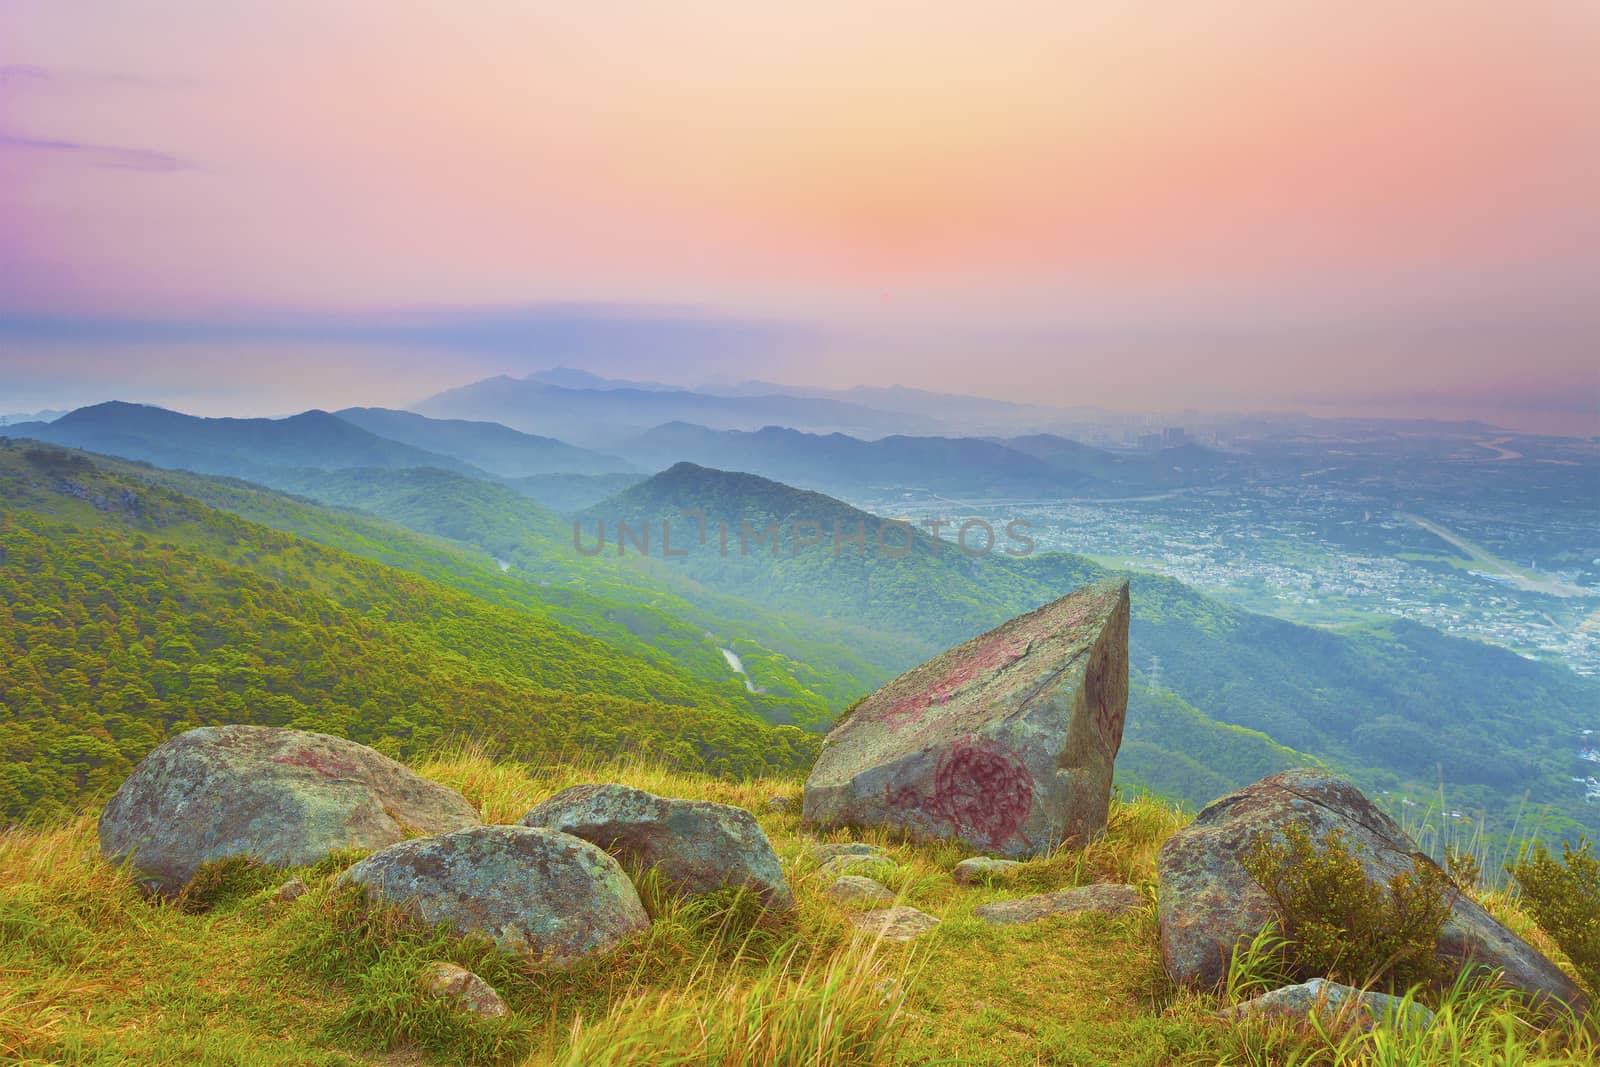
{"x": 465, "y": 990}
{"x": 834, "y": 849}
{"x": 1339, "y": 1007}
{"x": 779, "y": 803}
{"x": 293, "y": 889}
{"x": 841, "y": 857}
{"x": 982, "y": 868}
{"x": 842, "y": 865}
{"x": 899, "y": 923}
{"x": 853, "y": 889}
{"x": 1110, "y": 899}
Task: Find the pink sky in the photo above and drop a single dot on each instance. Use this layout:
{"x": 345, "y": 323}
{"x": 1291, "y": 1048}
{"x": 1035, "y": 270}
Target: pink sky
{"x": 1233, "y": 204}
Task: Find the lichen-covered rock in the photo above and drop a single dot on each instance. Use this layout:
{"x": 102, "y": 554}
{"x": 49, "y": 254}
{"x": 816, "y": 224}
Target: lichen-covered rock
{"x": 982, "y": 869}
{"x": 697, "y": 846}
{"x": 465, "y": 991}
{"x": 1209, "y": 904}
{"x": 1006, "y": 742}
{"x": 531, "y": 891}
{"x": 284, "y": 797}
{"x": 1338, "y": 1008}
{"x": 1107, "y": 898}
{"x": 854, "y": 889}
{"x": 900, "y": 923}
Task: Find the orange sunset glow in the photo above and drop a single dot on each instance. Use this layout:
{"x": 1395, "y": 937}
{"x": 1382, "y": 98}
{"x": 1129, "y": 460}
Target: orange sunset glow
{"x": 1127, "y": 204}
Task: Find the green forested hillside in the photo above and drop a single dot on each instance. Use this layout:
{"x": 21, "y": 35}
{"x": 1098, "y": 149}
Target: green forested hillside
{"x": 128, "y": 612}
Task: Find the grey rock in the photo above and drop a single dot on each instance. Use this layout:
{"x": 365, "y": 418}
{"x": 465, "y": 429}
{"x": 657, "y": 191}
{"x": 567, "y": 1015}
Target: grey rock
{"x": 1339, "y": 1007}
{"x": 1005, "y": 743}
{"x": 697, "y": 846}
{"x": 840, "y": 865}
{"x": 284, "y": 797}
{"x": 899, "y": 923}
{"x": 1109, "y": 899}
{"x": 855, "y": 850}
{"x": 779, "y": 803}
{"x": 1209, "y": 904}
{"x": 531, "y": 891}
{"x": 466, "y": 991}
{"x": 982, "y": 869}
{"x": 853, "y": 889}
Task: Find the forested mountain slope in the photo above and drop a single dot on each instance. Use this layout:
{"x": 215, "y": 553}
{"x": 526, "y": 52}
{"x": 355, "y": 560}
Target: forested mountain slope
{"x": 128, "y": 611}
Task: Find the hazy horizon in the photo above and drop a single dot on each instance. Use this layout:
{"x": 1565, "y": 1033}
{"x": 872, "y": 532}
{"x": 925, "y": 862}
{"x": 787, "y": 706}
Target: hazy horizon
{"x": 1232, "y": 206}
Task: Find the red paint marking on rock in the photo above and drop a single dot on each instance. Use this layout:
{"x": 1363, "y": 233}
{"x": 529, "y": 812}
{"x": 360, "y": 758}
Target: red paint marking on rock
{"x": 325, "y": 765}
{"x": 983, "y": 788}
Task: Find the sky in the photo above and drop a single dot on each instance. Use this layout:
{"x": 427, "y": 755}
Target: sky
{"x": 255, "y": 207}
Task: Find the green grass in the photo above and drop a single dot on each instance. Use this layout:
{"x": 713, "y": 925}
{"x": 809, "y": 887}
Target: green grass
{"x": 92, "y": 973}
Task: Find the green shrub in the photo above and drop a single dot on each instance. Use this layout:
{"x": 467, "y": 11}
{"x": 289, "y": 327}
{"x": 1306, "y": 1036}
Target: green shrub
{"x": 1464, "y": 868}
{"x": 1565, "y": 901}
{"x": 1341, "y": 926}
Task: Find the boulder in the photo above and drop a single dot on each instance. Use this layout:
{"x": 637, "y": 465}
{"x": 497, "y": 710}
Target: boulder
{"x": 1108, "y": 899}
{"x": 854, "y": 889}
{"x": 1339, "y": 1008}
{"x": 982, "y": 869}
{"x": 284, "y": 797}
{"x": 465, "y": 991}
{"x": 530, "y": 891}
{"x": 1209, "y": 904}
{"x": 1005, "y": 743}
{"x": 900, "y": 923}
{"x": 697, "y": 846}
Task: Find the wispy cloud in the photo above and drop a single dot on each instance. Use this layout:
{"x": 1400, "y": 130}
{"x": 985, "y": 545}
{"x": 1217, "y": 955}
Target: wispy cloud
{"x": 16, "y": 77}
{"x": 113, "y": 157}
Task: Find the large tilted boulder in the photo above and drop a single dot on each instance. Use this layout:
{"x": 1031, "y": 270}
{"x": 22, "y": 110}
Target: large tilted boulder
{"x": 284, "y": 797}
{"x": 530, "y": 891}
{"x": 1006, "y": 742}
{"x": 1209, "y": 904}
{"x": 695, "y": 845}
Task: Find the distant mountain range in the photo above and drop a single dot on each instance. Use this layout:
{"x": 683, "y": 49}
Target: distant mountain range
{"x": 30, "y": 416}
{"x": 601, "y": 418}
{"x": 489, "y": 446}
{"x": 837, "y": 463}
{"x": 1042, "y": 465}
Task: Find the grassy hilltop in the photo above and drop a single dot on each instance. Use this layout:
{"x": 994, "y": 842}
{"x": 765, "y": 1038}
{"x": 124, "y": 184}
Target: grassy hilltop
{"x": 96, "y": 974}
